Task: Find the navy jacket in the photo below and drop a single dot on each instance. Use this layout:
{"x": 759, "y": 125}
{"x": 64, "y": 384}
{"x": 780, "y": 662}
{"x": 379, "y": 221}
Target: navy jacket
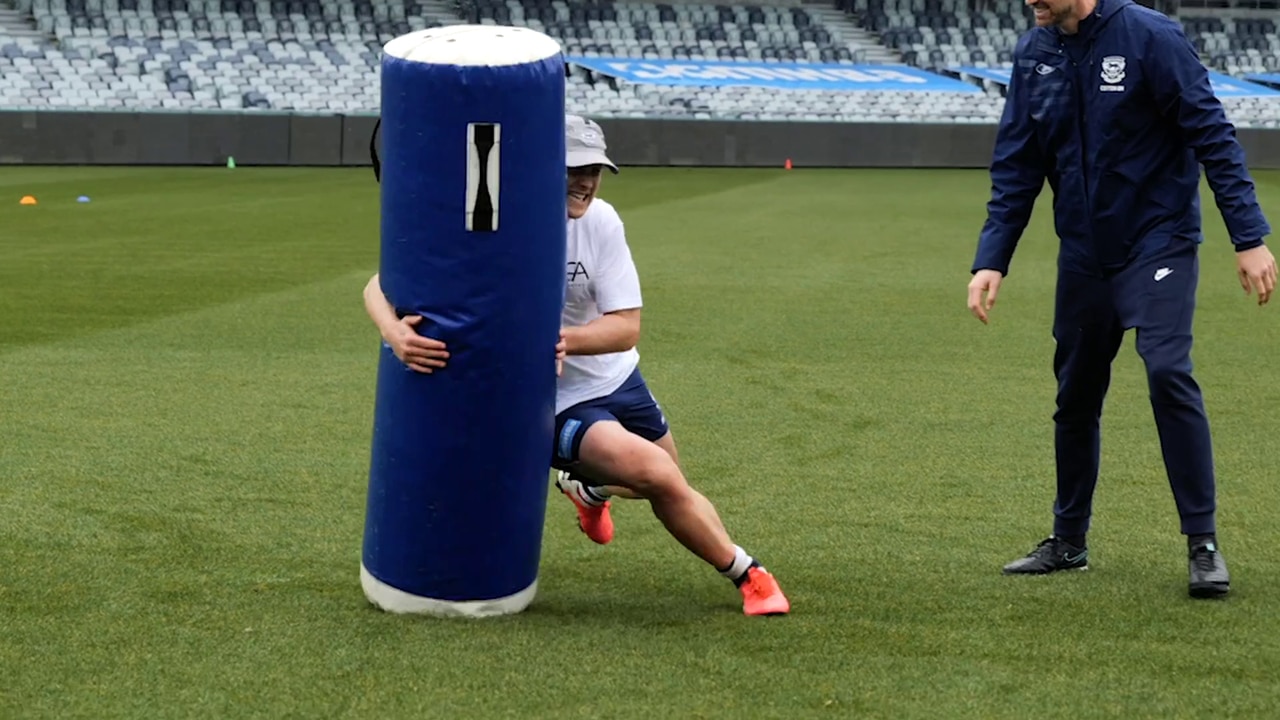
{"x": 1118, "y": 118}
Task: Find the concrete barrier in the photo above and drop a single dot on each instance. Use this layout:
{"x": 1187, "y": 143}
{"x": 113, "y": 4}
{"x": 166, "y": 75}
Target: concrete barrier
{"x": 265, "y": 138}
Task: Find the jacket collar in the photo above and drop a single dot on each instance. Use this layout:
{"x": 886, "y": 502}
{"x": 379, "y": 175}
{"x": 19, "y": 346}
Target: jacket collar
{"x": 1101, "y": 15}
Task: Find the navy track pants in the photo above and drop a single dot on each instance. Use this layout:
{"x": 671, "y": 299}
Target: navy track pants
{"x": 1156, "y": 297}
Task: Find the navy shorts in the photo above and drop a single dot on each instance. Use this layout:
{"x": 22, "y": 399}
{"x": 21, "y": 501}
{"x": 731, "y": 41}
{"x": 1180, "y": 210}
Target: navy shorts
{"x": 631, "y": 404}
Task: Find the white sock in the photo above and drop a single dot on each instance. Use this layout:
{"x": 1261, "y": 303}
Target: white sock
{"x": 741, "y": 563}
{"x": 599, "y": 493}
{"x": 592, "y": 496}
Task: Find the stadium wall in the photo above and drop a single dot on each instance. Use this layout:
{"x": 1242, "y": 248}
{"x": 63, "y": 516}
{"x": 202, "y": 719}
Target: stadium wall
{"x": 271, "y": 139}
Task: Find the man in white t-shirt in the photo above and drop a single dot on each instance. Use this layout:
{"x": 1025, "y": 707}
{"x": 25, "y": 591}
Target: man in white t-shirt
{"x": 611, "y": 438}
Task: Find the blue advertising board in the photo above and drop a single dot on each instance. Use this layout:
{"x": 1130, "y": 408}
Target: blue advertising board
{"x": 1224, "y": 86}
{"x": 1272, "y": 79}
{"x": 789, "y": 76}
{"x": 1000, "y": 75}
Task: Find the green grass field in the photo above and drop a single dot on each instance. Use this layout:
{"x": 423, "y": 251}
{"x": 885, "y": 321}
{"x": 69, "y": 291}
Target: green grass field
{"x": 186, "y": 393}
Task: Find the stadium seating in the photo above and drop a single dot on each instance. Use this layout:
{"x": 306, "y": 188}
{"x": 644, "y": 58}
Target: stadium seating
{"x": 688, "y": 32}
{"x": 1236, "y": 46}
{"x": 767, "y": 104}
{"x": 323, "y": 55}
{"x": 942, "y": 33}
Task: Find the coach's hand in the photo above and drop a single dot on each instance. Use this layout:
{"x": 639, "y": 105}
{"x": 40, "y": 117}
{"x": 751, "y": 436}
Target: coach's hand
{"x": 988, "y": 282}
{"x": 420, "y": 353}
{"x": 1257, "y": 270}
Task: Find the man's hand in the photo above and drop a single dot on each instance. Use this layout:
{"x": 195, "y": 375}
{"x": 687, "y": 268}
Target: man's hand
{"x": 1257, "y": 271}
{"x": 984, "y": 281}
{"x": 419, "y": 353}
{"x": 560, "y": 353}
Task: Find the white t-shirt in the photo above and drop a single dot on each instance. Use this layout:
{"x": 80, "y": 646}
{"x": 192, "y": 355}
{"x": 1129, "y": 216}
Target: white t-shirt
{"x": 601, "y": 278}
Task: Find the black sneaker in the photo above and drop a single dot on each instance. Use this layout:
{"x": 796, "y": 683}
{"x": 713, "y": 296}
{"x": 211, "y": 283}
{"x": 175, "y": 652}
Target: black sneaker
{"x": 1209, "y": 578}
{"x": 1051, "y": 555}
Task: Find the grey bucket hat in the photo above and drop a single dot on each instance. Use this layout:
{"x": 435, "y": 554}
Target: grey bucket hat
{"x": 584, "y": 143}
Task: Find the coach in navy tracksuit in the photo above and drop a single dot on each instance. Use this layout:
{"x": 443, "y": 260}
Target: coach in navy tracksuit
{"x": 1110, "y": 104}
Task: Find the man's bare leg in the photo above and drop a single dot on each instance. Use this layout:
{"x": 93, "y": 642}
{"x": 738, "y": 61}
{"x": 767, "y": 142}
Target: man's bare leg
{"x": 666, "y": 442}
{"x": 617, "y": 457}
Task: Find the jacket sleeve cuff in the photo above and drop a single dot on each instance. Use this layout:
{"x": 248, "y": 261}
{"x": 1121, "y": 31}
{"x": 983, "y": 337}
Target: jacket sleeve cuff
{"x": 989, "y": 263}
{"x": 994, "y": 253}
{"x": 1249, "y": 244}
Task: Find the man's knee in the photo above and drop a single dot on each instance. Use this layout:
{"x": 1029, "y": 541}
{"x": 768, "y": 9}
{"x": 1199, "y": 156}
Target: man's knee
{"x": 668, "y": 445}
{"x": 1082, "y": 366}
{"x": 624, "y": 458}
{"x": 1080, "y": 398}
{"x": 1170, "y": 381}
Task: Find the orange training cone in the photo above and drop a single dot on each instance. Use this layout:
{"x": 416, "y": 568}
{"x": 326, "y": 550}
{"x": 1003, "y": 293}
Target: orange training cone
{"x": 27, "y": 200}
{"x": 788, "y": 164}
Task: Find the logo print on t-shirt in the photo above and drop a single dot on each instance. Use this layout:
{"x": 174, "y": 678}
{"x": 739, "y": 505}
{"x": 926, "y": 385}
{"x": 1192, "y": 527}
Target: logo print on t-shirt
{"x": 576, "y": 270}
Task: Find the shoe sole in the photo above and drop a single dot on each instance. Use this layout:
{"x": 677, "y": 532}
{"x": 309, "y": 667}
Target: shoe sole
{"x": 1044, "y": 572}
{"x": 1209, "y": 590}
{"x": 784, "y": 610}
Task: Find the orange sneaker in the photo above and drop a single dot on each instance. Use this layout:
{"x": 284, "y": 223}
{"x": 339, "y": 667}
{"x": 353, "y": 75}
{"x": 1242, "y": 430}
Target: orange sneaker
{"x": 761, "y": 594}
{"x": 593, "y": 520}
